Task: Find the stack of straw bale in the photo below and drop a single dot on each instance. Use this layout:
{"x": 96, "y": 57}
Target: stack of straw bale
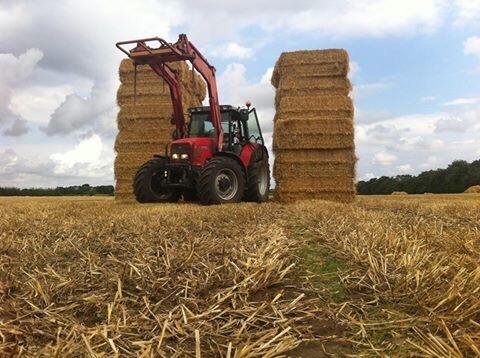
{"x": 313, "y": 131}
{"x": 144, "y": 126}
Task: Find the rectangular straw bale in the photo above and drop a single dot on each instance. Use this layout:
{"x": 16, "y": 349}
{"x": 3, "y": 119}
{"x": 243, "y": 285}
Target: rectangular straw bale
{"x": 313, "y": 156}
{"x": 123, "y": 186}
{"x": 189, "y": 81}
{"x": 312, "y": 104}
{"x": 312, "y": 170}
{"x": 125, "y": 159}
{"x": 143, "y": 122}
{"x": 313, "y": 141}
{"x": 318, "y": 126}
{"x": 312, "y": 87}
{"x": 332, "y": 62}
{"x": 332, "y": 184}
{"x": 151, "y": 147}
{"x": 144, "y": 135}
{"x": 312, "y": 82}
{"x": 289, "y": 197}
{"x": 317, "y": 57}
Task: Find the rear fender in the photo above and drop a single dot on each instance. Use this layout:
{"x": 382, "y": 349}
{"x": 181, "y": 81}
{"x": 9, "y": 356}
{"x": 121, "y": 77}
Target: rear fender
{"x": 253, "y": 152}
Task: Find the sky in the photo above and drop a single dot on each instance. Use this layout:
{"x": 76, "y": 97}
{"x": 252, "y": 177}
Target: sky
{"x": 415, "y": 70}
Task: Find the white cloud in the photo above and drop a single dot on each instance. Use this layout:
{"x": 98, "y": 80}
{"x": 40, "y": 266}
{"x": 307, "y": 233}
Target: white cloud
{"x": 427, "y": 99}
{"x": 416, "y": 143}
{"x": 463, "y": 101}
{"x": 18, "y": 128}
{"x": 467, "y": 11}
{"x": 88, "y": 150}
{"x": 432, "y": 163}
{"x": 384, "y": 158}
{"x": 233, "y": 50}
{"x": 471, "y": 46}
{"x": 14, "y": 70}
{"x": 37, "y": 103}
{"x": 405, "y": 169}
{"x": 368, "y": 17}
{"x": 367, "y": 176}
{"x": 354, "y": 69}
{"x": 452, "y": 124}
{"x": 362, "y": 91}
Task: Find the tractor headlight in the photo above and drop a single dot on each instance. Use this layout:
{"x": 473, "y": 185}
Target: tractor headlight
{"x": 184, "y": 156}
{"x": 175, "y": 156}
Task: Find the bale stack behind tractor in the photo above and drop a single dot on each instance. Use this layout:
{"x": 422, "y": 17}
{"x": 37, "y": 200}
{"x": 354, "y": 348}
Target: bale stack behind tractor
{"x": 144, "y": 120}
{"x": 313, "y": 130}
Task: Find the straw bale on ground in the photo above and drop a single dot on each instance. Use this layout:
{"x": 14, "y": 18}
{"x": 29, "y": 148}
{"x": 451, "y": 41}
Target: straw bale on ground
{"x": 399, "y": 193}
{"x": 473, "y": 189}
{"x": 287, "y": 197}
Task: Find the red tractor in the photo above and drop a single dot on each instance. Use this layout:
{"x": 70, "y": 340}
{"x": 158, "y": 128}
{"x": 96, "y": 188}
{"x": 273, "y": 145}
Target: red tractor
{"x": 219, "y": 157}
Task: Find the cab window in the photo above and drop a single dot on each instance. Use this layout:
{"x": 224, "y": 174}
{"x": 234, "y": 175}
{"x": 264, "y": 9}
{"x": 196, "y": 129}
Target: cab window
{"x": 254, "y": 133}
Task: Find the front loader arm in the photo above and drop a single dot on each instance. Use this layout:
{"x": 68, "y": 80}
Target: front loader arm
{"x": 164, "y": 71}
{"x": 182, "y": 50}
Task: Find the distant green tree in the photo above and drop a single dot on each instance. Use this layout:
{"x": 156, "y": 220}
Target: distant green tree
{"x": 456, "y": 178}
{"x": 75, "y": 190}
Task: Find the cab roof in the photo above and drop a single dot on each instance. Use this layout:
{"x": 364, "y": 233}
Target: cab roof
{"x": 223, "y": 108}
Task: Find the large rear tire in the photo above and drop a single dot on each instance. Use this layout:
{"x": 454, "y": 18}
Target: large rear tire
{"x": 221, "y": 181}
{"x": 258, "y": 180}
{"x": 147, "y": 184}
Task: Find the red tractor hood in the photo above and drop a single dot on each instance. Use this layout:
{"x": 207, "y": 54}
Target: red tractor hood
{"x": 196, "y": 141}
{"x": 200, "y": 149}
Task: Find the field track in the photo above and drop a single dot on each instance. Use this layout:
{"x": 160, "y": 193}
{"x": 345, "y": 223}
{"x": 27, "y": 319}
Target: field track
{"x": 387, "y": 275}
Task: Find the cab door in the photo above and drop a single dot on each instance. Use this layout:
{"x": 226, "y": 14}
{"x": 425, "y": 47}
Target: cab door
{"x": 254, "y": 131}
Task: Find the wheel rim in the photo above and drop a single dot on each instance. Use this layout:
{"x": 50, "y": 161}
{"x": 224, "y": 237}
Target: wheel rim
{"x": 157, "y": 185}
{"x": 263, "y": 180}
{"x": 226, "y": 184}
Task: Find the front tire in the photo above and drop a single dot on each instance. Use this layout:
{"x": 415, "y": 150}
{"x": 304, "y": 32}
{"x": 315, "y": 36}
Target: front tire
{"x": 147, "y": 183}
{"x": 221, "y": 181}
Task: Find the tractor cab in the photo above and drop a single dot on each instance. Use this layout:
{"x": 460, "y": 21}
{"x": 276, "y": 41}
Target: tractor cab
{"x": 240, "y": 126}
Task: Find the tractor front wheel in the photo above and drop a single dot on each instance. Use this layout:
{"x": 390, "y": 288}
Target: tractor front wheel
{"x": 148, "y": 184}
{"x": 221, "y": 181}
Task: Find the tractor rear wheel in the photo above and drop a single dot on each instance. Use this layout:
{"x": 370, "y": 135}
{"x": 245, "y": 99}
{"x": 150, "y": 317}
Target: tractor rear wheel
{"x": 221, "y": 181}
{"x": 258, "y": 181}
{"x": 148, "y": 183}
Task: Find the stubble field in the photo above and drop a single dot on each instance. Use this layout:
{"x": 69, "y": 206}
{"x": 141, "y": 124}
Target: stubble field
{"x": 396, "y": 276}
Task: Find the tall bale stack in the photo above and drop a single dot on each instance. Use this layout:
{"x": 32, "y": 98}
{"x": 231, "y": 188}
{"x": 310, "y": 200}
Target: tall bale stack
{"x": 144, "y": 125}
{"x": 313, "y": 131}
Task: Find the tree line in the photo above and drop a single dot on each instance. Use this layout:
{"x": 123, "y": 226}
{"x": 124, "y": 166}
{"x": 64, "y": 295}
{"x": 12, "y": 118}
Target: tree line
{"x": 84, "y": 189}
{"x": 456, "y": 178}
